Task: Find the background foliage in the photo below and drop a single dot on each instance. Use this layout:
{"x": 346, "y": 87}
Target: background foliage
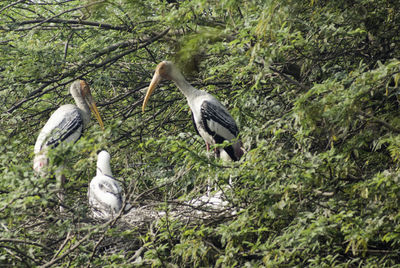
{"x": 312, "y": 84}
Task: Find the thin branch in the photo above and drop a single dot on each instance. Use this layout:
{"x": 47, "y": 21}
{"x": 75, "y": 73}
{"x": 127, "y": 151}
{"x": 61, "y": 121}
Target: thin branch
{"x": 66, "y": 11}
{"x": 70, "y": 22}
{"x": 62, "y": 245}
{"x": 11, "y": 240}
{"x": 67, "y": 252}
{"x": 145, "y": 44}
{"x": 67, "y": 45}
{"x": 40, "y": 91}
{"x": 24, "y": 258}
{"x": 10, "y": 5}
{"x": 136, "y": 255}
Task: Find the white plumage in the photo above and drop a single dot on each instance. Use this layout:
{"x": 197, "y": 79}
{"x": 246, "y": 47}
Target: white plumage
{"x": 211, "y": 119}
{"x": 66, "y": 124}
{"x": 104, "y": 193}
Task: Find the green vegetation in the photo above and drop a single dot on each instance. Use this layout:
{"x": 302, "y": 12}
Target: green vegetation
{"x": 313, "y": 86}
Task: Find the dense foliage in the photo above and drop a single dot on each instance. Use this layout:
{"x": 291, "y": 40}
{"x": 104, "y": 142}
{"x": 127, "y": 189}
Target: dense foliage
{"x": 313, "y": 86}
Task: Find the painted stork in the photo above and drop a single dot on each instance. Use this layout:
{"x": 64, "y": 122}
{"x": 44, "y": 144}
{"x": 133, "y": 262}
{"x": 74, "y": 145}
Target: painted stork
{"x": 104, "y": 193}
{"x": 66, "y": 124}
{"x": 211, "y": 119}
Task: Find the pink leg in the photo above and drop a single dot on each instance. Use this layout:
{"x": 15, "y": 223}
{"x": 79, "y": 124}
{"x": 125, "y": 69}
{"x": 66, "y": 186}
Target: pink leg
{"x": 207, "y": 146}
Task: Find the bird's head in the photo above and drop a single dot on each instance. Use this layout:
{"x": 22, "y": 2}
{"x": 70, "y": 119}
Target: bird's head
{"x": 81, "y": 90}
{"x": 164, "y": 70}
{"x": 103, "y": 163}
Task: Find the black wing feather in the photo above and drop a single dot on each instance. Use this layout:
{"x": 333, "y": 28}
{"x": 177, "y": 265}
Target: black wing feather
{"x": 214, "y": 112}
{"x": 66, "y": 128}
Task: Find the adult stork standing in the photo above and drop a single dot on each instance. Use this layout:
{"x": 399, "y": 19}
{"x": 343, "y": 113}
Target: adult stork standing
{"x": 104, "y": 193}
{"x": 66, "y": 124}
{"x": 211, "y": 119}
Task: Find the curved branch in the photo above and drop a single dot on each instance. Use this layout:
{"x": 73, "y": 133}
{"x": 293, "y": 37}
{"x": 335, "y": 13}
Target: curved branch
{"x": 40, "y": 91}
{"x": 10, "y": 5}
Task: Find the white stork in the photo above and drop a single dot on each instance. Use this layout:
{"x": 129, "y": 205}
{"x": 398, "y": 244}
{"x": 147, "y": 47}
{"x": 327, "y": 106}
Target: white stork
{"x": 66, "y": 124}
{"x": 104, "y": 193}
{"x": 211, "y": 119}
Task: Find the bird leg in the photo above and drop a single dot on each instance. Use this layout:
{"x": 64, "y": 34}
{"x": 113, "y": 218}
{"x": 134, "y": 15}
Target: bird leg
{"x": 209, "y": 180}
{"x": 60, "y": 189}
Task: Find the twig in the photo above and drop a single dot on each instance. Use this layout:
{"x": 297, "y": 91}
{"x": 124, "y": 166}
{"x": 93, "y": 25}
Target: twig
{"x": 136, "y": 255}
{"x": 40, "y": 92}
{"x": 66, "y": 253}
{"x": 10, "y": 5}
{"x": 66, "y": 11}
{"x": 12, "y": 240}
{"x": 25, "y": 257}
{"x": 62, "y": 245}
{"x": 145, "y": 44}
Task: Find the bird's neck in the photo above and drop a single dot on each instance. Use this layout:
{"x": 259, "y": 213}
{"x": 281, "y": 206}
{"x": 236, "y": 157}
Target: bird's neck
{"x": 187, "y": 89}
{"x": 84, "y": 109}
{"x": 103, "y": 168}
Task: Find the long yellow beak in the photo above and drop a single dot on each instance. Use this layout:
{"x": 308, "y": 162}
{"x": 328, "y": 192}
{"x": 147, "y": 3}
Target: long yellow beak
{"x": 95, "y": 111}
{"x": 153, "y": 84}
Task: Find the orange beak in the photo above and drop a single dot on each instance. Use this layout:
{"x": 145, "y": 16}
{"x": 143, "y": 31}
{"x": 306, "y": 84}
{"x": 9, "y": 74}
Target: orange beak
{"x": 153, "y": 84}
{"x": 95, "y": 111}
